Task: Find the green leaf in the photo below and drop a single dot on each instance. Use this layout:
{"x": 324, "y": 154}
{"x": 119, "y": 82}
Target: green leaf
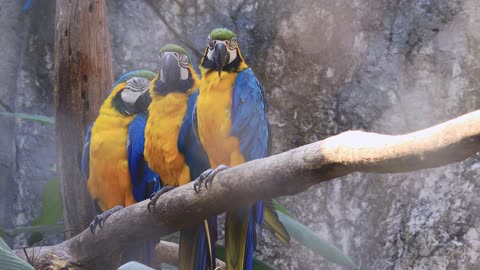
{"x": 33, "y": 117}
{"x": 9, "y": 261}
{"x": 257, "y": 264}
{"x": 51, "y": 204}
{"x": 282, "y": 208}
{"x": 310, "y": 240}
{"x": 35, "y": 237}
{"x": 41, "y": 228}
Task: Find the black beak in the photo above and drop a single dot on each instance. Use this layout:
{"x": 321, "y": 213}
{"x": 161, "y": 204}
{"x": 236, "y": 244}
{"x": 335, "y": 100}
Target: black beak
{"x": 142, "y": 102}
{"x": 220, "y": 57}
{"x": 170, "y": 72}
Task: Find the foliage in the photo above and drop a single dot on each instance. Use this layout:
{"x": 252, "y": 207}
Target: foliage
{"x": 33, "y": 117}
{"x": 9, "y": 261}
{"x": 310, "y": 240}
{"x": 49, "y": 217}
{"x": 51, "y": 204}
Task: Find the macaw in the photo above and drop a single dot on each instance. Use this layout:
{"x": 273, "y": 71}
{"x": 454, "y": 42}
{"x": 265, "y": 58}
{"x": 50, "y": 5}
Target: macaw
{"x": 112, "y": 160}
{"x": 233, "y": 128}
{"x": 173, "y": 151}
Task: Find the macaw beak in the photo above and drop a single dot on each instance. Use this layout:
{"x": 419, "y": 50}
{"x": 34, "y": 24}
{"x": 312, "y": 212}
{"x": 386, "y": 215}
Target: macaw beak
{"x": 143, "y": 101}
{"x": 170, "y": 72}
{"x": 220, "y": 57}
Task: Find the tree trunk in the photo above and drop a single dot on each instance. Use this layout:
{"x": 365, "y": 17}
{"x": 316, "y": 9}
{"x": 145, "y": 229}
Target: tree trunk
{"x": 83, "y": 75}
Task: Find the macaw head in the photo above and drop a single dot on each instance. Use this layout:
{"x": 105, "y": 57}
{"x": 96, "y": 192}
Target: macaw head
{"x": 175, "y": 72}
{"x": 222, "y": 52}
{"x": 130, "y": 92}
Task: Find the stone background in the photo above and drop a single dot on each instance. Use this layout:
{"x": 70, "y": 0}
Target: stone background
{"x": 327, "y": 67}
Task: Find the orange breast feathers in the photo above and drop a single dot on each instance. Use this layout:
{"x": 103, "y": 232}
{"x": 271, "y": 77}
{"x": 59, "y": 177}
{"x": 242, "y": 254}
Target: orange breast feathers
{"x": 214, "y": 119}
{"x": 109, "y": 180}
{"x": 166, "y": 114}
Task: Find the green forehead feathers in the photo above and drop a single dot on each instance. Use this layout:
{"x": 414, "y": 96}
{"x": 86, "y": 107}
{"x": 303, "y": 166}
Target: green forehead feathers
{"x": 174, "y": 48}
{"x": 222, "y": 34}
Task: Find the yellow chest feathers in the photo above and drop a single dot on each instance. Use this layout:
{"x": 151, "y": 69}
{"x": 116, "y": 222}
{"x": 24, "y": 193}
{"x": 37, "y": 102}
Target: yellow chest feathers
{"x": 214, "y": 119}
{"x": 166, "y": 115}
{"x": 109, "y": 181}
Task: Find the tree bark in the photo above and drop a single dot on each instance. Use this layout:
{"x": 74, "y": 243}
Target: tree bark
{"x": 83, "y": 75}
{"x": 284, "y": 174}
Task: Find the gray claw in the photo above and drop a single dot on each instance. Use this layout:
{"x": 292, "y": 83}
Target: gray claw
{"x": 207, "y": 177}
{"x": 156, "y": 195}
{"x": 99, "y": 219}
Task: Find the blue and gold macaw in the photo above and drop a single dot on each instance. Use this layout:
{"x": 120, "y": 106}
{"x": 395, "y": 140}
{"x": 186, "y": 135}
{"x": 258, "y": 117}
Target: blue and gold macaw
{"x": 173, "y": 151}
{"x": 112, "y": 160}
{"x": 233, "y": 128}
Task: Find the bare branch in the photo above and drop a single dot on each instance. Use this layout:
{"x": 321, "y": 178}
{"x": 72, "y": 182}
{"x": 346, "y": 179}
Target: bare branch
{"x": 177, "y": 35}
{"x": 284, "y": 174}
{"x": 167, "y": 252}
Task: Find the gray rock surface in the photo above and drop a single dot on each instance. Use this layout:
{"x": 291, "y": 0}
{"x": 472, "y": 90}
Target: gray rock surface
{"x": 27, "y": 148}
{"x": 327, "y": 66}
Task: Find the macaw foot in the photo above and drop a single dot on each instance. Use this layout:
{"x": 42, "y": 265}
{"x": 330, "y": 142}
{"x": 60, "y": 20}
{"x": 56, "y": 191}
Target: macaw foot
{"x": 156, "y": 195}
{"x": 207, "y": 177}
{"x": 99, "y": 219}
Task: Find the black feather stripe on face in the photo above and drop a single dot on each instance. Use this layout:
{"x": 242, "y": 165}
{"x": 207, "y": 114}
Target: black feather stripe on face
{"x": 126, "y": 109}
{"x": 233, "y": 66}
{"x": 161, "y": 88}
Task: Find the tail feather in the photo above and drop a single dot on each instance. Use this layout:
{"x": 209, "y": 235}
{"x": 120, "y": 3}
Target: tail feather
{"x": 240, "y": 237}
{"x": 195, "y": 252}
{"x": 273, "y": 223}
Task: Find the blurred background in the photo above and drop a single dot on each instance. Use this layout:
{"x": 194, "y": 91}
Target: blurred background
{"x": 387, "y": 66}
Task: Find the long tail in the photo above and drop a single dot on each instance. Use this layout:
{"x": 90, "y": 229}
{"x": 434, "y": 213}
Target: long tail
{"x": 273, "y": 224}
{"x": 197, "y": 246}
{"x": 240, "y": 236}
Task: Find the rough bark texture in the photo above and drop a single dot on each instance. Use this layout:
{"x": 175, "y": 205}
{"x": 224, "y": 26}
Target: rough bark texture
{"x": 83, "y": 75}
{"x": 283, "y": 174}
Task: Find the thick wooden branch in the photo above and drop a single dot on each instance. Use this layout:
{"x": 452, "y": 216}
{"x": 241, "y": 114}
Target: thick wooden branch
{"x": 167, "y": 252}
{"x": 284, "y": 174}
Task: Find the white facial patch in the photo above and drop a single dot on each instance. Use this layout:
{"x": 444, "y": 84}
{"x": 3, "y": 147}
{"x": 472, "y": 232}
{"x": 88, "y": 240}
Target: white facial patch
{"x": 135, "y": 87}
{"x": 182, "y": 64}
{"x": 231, "y": 46}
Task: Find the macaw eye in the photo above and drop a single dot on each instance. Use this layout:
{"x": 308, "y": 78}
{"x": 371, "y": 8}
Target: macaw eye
{"x": 183, "y": 60}
{"x": 233, "y": 43}
{"x": 210, "y": 43}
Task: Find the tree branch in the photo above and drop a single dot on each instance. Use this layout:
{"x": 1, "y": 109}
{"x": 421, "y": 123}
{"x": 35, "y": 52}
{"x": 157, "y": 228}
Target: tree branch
{"x": 167, "y": 252}
{"x": 284, "y": 174}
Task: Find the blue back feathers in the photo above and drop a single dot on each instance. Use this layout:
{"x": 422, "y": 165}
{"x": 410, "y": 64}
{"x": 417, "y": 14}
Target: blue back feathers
{"x": 197, "y": 160}
{"x": 249, "y": 122}
{"x": 85, "y": 162}
{"x": 250, "y": 125}
{"x": 189, "y": 144}
{"x": 144, "y": 180}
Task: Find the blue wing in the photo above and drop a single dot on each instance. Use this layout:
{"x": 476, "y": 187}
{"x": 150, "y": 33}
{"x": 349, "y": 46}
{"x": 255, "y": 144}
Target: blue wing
{"x": 27, "y": 5}
{"x": 144, "y": 180}
{"x": 195, "y": 246}
{"x": 249, "y": 120}
{"x": 85, "y": 162}
{"x": 189, "y": 144}
{"x": 250, "y": 123}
